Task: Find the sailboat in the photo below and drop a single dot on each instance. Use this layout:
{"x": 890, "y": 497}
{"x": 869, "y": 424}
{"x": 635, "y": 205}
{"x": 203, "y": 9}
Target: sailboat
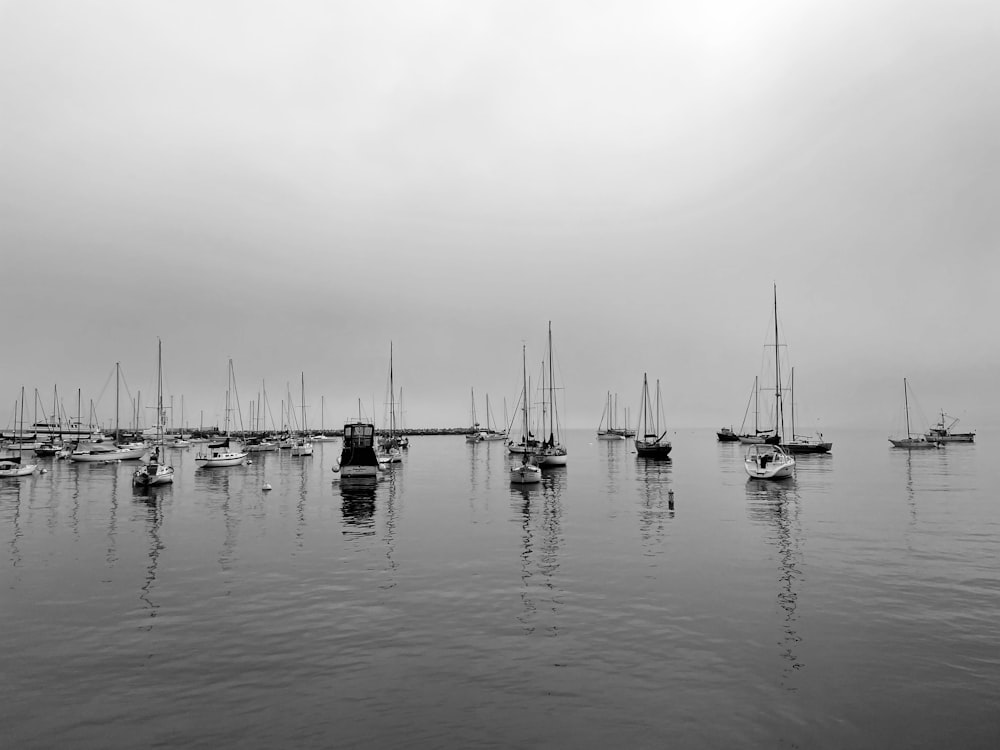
{"x": 769, "y": 460}
{"x": 155, "y": 472}
{"x": 389, "y": 443}
{"x": 526, "y": 472}
{"x": 911, "y": 441}
{"x": 322, "y": 437}
{"x": 221, "y": 453}
{"x": 11, "y": 466}
{"x": 491, "y": 433}
{"x": 551, "y": 452}
{"x": 606, "y": 429}
{"x": 801, "y": 443}
{"x": 99, "y": 452}
{"x": 649, "y": 441}
{"x": 302, "y": 446}
{"x": 476, "y": 434}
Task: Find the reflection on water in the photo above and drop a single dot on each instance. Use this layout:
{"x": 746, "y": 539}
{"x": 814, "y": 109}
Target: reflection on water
{"x": 776, "y": 506}
{"x": 656, "y": 504}
{"x": 538, "y": 508}
{"x": 358, "y": 505}
{"x": 10, "y": 511}
{"x": 150, "y": 499}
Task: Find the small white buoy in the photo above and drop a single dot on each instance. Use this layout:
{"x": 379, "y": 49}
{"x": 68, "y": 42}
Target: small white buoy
{"x": 266, "y": 487}
{"x": 249, "y": 462}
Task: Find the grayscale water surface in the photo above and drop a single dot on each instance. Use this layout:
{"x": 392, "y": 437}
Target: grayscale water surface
{"x": 855, "y": 606}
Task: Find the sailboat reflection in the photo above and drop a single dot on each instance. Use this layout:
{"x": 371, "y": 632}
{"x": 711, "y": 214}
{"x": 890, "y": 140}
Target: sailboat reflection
{"x": 150, "y": 502}
{"x": 776, "y": 506}
{"x": 539, "y": 510}
{"x": 358, "y": 505}
{"x": 656, "y": 499}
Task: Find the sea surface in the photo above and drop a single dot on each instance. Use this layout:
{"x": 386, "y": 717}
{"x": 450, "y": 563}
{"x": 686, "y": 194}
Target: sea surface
{"x": 854, "y": 606}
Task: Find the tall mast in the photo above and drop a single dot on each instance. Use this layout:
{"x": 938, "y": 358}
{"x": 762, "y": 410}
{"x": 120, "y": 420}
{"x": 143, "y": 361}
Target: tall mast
{"x": 159, "y": 392}
{"x": 392, "y": 397}
{"x": 906, "y": 409}
{"x": 524, "y": 375}
{"x": 778, "y": 412}
{"x": 303, "y": 403}
{"x": 792, "y": 394}
{"x": 117, "y": 378}
{"x": 552, "y": 404}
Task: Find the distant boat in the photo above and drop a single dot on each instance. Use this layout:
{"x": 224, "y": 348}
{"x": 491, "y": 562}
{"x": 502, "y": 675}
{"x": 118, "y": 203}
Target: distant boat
{"x": 911, "y": 441}
{"x": 758, "y": 435}
{"x": 491, "y": 433}
{"x": 527, "y": 472}
{"x": 726, "y": 435}
{"x": 302, "y": 446}
{"x": 606, "y": 429}
{"x": 100, "y": 452}
{"x": 551, "y": 452}
{"x": 221, "y": 453}
{"x": 389, "y": 443}
{"x": 764, "y": 461}
{"x": 476, "y": 434}
{"x": 650, "y": 442}
{"x": 801, "y": 443}
{"x": 155, "y": 472}
{"x": 11, "y": 466}
{"x": 942, "y": 432}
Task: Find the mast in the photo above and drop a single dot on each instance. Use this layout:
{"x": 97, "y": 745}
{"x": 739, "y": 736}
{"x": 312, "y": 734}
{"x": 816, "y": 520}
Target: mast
{"x": 552, "y": 403}
{"x": 159, "y": 395}
{"x": 392, "y": 398}
{"x": 524, "y": 386}
{"x": 778, "y": 411}
{"x": 906, "y": 409}
{"x": 475, "y": 422}
{"x": 792, "y": 393}
{"x": 20, "y": 436}
{"x": 117, "y": 378}
{"x": 304, "y": 404}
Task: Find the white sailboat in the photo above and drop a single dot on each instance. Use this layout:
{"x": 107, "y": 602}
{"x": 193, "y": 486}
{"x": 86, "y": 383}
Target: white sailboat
{"x": 551, "y": 452}
{"x": 767, "y": 460}
{"x": 911, "y": 441}
{"x": 11, "y": 466}
{"x": 490, "y": 433}
{"x": 155, "y": 472}
{"x": 476, "y": 434}
{"x": 389, "y": 442}
{"x": 221, "y": 453}
{"x": 526, "y": 472}
{"x": 101, "y": 452}
{"x": 302, "y": 446}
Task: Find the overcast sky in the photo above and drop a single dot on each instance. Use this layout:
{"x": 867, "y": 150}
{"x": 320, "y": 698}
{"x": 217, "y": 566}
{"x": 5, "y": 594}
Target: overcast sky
{"x": 296, "y": 184}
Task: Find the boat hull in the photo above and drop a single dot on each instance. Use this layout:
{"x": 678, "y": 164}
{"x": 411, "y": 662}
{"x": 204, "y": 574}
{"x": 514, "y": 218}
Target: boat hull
{"x": 15, "y": 470}
{"x": 797, "y": 448}
{"x": 221, "y": 460}
{"x": 652, "y": 449}
{"x": 129, "y": 454}
{"x": 525, "y": 474}
{"x": 768, "y": 462}
{"x": 914, "y": 443}
{"x": 547, "y": 458}
{"x": 152, "y": 476}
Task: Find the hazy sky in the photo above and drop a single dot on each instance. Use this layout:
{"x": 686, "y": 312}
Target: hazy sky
{"x": 296, "y": 184}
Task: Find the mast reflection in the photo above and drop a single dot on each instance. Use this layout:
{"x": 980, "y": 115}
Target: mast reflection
{"x": 656, "y": 499}
{"x": 150, "y": 502}
{"x": 775, "y": 505}
{"x": 539, "y": 510}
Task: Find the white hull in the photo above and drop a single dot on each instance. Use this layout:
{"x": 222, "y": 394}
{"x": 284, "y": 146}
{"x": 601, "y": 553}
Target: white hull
{"x": 768, "y": 462}
{"x": 123, "y": 454}
{"x": 914, "y": 443}
{"x": 150, "y": 476}
{"x": 547, "y": 459}
{"x": 525, "y": 474}
{"x": 17, "y": 471}
{"x": 223, "y": 459}
{"x": 302, "y": 450}
{"x": 609, "y": 436}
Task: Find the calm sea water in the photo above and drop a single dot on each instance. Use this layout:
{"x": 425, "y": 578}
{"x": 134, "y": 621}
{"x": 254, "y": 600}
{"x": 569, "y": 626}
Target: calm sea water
{"x": 857, "y": 605}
